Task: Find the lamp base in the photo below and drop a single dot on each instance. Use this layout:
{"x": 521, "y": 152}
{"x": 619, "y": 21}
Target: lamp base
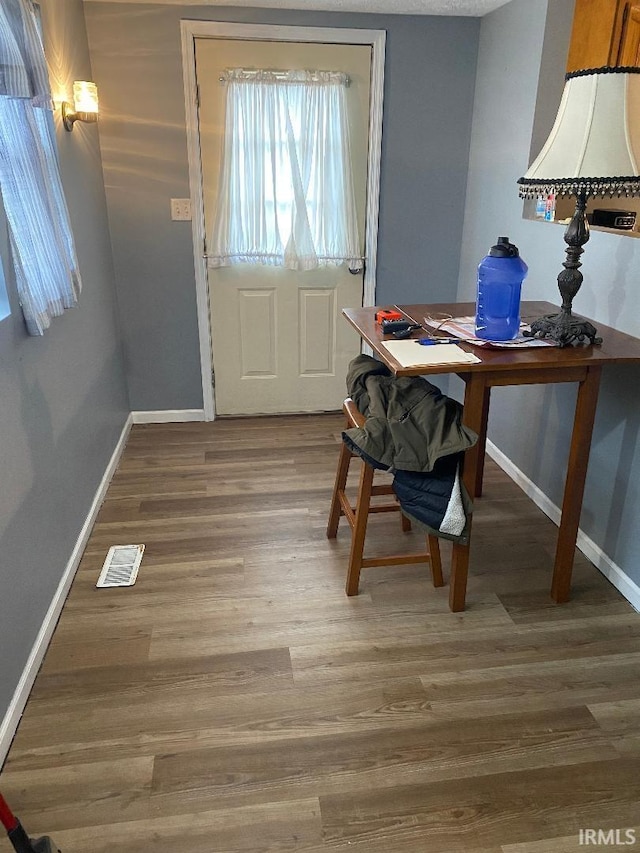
{"x": 564, "y": 328}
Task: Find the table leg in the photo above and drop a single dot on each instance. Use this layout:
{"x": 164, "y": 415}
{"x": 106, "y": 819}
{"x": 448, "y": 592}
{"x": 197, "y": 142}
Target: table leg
{"x": 473, "y": 416}
{"x": 574, "y": 483}
{"x": 482, "y": 443}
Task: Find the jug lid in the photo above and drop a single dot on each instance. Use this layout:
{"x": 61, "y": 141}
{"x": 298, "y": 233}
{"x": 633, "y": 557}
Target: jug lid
{"x": 504, "y": 249}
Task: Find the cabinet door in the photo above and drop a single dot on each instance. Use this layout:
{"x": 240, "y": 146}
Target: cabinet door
{"x": 595, "y": 36}
{"x": 629, "y": 50}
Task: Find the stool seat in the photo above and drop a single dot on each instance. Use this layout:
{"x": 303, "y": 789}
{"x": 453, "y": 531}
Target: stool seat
{"x": 358, "y": 515}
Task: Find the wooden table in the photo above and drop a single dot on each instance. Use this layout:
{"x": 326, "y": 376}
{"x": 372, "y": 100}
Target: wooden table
{"x": 535, "y": 366}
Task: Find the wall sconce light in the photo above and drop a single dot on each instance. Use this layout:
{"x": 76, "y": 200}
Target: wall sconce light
{"x": 85, "y": 104}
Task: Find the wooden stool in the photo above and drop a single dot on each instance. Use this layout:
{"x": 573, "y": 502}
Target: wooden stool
{"x": 359, "y": 515}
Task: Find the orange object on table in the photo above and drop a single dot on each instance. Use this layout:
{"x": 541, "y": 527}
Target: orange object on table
{"x": 387, "y": 314}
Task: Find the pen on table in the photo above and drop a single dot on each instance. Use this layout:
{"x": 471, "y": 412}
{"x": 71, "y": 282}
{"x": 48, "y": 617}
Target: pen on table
{"x": 430, "y": 342}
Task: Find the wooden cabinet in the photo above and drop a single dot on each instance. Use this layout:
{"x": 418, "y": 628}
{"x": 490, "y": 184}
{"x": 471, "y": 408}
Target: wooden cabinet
{"x": 605, "y": 32}
{"x": 629, "y": 50}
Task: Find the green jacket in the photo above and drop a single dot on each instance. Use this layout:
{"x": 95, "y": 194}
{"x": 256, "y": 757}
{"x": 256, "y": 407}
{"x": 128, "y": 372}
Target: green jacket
{"x": 410, "y": 422}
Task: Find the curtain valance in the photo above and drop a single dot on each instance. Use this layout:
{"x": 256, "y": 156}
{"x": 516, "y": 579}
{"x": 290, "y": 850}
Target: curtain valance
{"x": 266, "y": 75}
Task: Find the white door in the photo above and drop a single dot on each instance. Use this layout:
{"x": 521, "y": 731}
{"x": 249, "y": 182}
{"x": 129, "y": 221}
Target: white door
{"x": 279, "y": 343}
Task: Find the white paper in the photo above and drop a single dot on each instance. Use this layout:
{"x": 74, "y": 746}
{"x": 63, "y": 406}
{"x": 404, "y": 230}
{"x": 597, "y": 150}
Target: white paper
{"x": 410, "y": 353}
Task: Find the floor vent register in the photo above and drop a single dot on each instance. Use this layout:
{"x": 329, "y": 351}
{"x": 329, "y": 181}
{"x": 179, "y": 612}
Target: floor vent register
{"x": 121, "y": 566}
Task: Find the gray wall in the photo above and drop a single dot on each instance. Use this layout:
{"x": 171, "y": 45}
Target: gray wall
{"x": 532, "y": 426}
{"x": 63, "y": 395}
{"x": 135, "y": 52}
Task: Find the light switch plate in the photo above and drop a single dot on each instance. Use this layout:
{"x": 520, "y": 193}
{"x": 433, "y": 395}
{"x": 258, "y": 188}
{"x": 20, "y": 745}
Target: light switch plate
{"x": 181, "y": 209}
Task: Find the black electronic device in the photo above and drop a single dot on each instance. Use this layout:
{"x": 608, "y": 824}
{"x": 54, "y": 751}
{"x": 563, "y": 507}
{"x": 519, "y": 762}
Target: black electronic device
{"x": 624, "y": 220}
{"x": 390, "y": 326}
{"x": 395, "y": 327}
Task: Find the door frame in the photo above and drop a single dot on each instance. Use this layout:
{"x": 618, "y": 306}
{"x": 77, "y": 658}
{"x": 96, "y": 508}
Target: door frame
{"x": 190, "y": 31}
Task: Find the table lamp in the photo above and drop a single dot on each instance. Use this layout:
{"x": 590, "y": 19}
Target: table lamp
{"x": 592, "y": 150}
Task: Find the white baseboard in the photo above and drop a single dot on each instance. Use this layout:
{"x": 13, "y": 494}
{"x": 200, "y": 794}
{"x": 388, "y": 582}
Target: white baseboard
{"x": 11, "y": 719}
{"x": 593, "y": 552}
{"x": 168, "y": 416}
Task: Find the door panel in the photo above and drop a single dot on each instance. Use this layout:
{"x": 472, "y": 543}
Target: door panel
{"x": 257, "y": 332}
{"x": 316, "y": 323}
{"x": 279, "y": 343}
{"x": 630, "y": 43}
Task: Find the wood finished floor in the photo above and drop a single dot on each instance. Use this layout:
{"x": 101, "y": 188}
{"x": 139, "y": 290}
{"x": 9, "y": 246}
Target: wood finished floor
{"x": 236, "y": 700}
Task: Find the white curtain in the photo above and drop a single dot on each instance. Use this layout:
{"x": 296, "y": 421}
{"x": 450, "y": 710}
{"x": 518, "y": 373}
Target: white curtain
{"x": 286, "y": 188}
{"x": 42, "y": 245}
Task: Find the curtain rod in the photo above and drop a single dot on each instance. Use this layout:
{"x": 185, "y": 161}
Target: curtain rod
{"x": 316, "y": 76}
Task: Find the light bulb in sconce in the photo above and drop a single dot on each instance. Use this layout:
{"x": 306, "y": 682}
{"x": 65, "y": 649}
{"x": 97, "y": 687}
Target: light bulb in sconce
{"x": 85, "y": 104}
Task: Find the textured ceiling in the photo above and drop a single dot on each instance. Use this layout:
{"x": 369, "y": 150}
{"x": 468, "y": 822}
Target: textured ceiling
{"x": 473, "y": 8}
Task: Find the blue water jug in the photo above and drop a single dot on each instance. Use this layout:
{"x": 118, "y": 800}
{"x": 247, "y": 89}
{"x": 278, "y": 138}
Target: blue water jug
{"x": 500, "y": 277}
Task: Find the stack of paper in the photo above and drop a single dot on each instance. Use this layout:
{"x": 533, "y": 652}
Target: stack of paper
{"x": 465, "y": 328}
{"x": 410, "y": 353}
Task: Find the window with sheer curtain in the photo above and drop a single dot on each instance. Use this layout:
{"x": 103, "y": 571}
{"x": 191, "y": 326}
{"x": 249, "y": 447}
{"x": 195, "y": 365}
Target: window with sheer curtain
{"x": 42, "y": 247}
{"x": 286, "y": 193}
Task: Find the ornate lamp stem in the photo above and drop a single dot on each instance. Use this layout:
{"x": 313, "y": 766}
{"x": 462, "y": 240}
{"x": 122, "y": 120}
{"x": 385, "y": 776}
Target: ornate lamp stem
{"x": 564, "y": 328}
{"x": 575, "y": 236}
